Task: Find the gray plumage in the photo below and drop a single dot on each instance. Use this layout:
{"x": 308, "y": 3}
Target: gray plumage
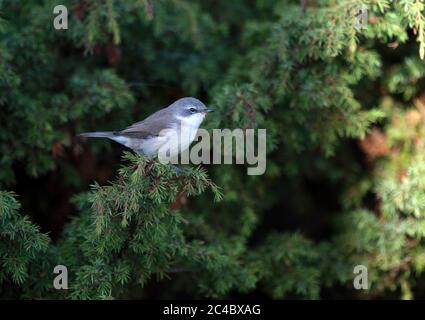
{"x": 145, "y": 136}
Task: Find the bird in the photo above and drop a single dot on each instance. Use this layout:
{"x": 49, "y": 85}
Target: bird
{"x": 172, "y": 128}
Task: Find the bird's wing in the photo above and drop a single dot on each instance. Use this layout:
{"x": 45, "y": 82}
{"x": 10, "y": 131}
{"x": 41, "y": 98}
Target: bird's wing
{"x": 150, "y": 127}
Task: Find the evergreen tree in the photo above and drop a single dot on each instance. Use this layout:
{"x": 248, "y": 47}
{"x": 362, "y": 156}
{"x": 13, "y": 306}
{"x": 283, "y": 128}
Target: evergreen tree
{"x": 344, "y": 109}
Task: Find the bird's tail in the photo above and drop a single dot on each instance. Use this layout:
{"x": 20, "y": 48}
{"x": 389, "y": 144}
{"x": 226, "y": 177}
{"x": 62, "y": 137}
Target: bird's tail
{"x": 97, "y": 134}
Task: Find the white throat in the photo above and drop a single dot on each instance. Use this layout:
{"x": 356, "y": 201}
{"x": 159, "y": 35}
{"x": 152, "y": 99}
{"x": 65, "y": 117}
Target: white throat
{"x": 187, "y": 128}
{"x": 181, "y": 134}
{"x": 193, "y": 120}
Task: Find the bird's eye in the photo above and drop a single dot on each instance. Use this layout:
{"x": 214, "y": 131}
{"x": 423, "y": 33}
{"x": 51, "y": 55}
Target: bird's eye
{"x": 193, "y": 110}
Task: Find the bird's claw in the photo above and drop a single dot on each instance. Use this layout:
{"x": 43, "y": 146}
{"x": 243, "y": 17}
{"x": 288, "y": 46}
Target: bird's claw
{"x": 176, "y": 169}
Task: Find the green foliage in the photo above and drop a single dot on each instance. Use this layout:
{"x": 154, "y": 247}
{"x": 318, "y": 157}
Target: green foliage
{"x": 127, "y": 230}
{"x": 289, "y": 264}
{"x": 344, "y": 109}
{"x": 20, "y": 241}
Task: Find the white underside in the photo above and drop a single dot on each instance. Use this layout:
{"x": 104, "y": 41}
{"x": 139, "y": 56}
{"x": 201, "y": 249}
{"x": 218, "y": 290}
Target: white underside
{"x": 170, "y": 142}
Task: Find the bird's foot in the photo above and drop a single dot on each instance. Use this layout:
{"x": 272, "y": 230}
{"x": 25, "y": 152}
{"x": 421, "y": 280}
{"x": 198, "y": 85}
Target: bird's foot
{"x": 177, "y": 169}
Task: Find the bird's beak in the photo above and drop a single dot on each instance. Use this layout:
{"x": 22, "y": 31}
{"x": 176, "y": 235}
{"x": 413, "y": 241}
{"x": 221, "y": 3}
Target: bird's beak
{"x": 209, "y": 110}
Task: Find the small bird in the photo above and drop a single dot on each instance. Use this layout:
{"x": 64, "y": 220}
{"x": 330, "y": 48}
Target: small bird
{"x": 172, "y": 128}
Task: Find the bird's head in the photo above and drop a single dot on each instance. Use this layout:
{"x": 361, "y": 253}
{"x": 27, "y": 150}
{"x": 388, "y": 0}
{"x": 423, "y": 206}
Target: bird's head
{"x": 190, "y": 111}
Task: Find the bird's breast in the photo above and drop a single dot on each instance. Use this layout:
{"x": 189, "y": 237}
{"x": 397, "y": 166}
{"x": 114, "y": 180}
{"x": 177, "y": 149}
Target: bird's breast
{"x": 187, "y": 134}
